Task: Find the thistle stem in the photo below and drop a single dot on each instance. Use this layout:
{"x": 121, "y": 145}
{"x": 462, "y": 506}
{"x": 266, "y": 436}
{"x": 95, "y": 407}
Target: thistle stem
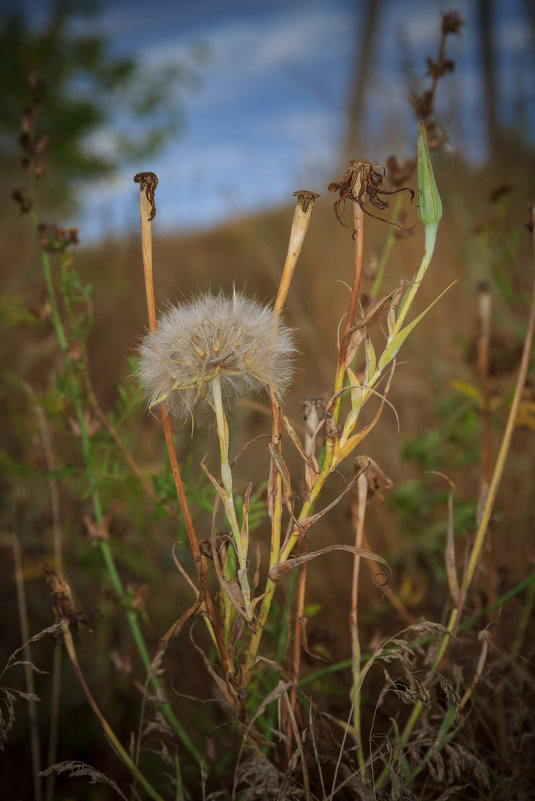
{"x": 429, "y": 249}
{"x": 239, "y": 537}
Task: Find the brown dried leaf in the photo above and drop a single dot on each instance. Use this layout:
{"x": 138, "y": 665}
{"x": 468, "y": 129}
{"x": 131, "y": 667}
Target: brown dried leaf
{"x": 281, "y": 568}
{"x": 95, "y": 530}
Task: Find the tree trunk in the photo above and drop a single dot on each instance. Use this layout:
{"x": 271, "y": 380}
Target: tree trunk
{"x": 366, "y": 17}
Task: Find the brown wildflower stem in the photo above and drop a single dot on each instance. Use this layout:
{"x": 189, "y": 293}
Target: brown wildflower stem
{"x": 300, "y": 223}
{"x": 358, "y": 515}
{"x": 358, "y": 237}
{"x": 483, "y": 353}
{"x": 147, "y": 186}
{"x": 312, "y": 417}
{"x": 48, "y": 451}
{"x": 333, "y": 412}
{"x": 147, "y": 211}
{"x": 358, "y": 217}
{"x": 28, "y": 673}
{"x": 301, "y": 220}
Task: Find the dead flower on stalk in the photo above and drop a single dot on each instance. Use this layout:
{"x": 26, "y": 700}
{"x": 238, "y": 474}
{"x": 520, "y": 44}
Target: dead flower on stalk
{"x": 369, "y": 178}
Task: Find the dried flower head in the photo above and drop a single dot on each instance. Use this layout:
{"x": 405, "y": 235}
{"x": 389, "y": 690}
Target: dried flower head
{"x": 237, "y": 340}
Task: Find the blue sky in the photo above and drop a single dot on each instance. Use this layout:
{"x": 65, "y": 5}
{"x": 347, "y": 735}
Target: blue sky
{"x": 268, "y": 115}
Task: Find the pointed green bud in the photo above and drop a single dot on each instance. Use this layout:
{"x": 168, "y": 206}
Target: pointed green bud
{"x": 429, "y": 203}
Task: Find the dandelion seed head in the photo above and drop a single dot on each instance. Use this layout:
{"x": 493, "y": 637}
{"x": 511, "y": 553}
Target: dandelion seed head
{"x": 238, "y": 340}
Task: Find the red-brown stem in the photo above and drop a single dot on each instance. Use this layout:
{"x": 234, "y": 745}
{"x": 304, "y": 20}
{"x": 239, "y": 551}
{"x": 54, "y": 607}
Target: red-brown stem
{"x": 192, "y": 538}
{"x": 145, "y": 221}
{"x": 145, "y": 215}
{"x": 358, "y": 236}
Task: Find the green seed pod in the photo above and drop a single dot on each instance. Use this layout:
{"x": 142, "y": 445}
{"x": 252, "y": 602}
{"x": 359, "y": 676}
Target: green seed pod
{"x": 429, "y": 203}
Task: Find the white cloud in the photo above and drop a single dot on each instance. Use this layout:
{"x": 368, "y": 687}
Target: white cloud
{"x": 243, "y": 51}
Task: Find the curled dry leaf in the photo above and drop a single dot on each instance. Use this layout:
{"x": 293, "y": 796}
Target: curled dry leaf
{"x": 284, "y": 567}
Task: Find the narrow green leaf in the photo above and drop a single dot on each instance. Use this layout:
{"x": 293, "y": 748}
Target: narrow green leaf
{"x": 392, "y": 348}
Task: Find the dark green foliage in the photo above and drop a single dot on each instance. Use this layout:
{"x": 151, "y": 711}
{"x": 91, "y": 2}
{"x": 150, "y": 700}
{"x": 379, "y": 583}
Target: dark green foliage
{"x": 93, "y": 97}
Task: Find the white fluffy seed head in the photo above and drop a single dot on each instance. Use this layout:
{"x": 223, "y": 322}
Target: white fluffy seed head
{"x": 237, "y": 339}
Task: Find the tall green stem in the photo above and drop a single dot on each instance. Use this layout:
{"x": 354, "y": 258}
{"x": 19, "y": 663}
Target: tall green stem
{"x": 378, "y": 280}
{"x": 240, "y": 537}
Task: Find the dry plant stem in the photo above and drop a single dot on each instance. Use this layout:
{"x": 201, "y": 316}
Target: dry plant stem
{"x": 486, "y": 451}
{"x": 145, "y": 210}
{"x": 340, "y": 372}
{"x": 145, "y": 223}
{"x": 483, "y": 347}
{"x": 269, "y": 261}
{"x": 298, "y": 628}
{"x": 58, "y": 564}
{"x": 358, "y": 237}
{"x": 299, "y": 740}
{"x": 395, "y": 600}
{"x": 28, "y": 673}
{"x": 339, "y": 379}
{"x": 455, "y": 615}
{"x": 108, "y": 731}
{"x": 300, "y": 223}
{"x": 321, "y": 479}
{"x": 358, "y": 516}
{"x": 312, "y": 422}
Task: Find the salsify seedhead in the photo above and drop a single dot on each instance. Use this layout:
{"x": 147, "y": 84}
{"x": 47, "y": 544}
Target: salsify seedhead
{"x": 237, "y": 340}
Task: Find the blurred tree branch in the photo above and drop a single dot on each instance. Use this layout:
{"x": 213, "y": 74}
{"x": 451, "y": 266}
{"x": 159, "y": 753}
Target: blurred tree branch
{"x": 102, "y": 111}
